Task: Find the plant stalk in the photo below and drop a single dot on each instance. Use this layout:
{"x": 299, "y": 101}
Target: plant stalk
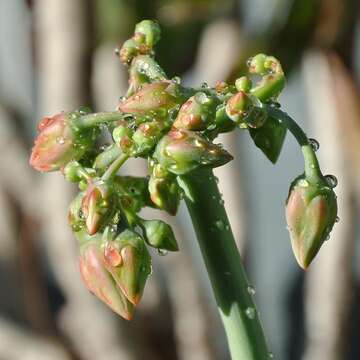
{"x": 99, "y": 118}
{"x": 233, "y": 293}
{"x": 312, "y": 167}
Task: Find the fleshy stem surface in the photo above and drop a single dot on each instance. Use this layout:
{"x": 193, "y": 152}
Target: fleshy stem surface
{"x": 95, "y": 119}
{"x": 224, "y": 265}
{"x": 312, "y": 167}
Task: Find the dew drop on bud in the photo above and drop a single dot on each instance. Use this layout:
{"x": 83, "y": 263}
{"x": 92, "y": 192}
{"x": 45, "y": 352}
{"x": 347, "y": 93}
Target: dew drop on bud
{"x": 331, "y": 180}
{"x": 117, "y": 51}
{"x": 250, "y": 313}
{"x": 248, "y": 62}
{"x": 204, "y": 85}
{"x": 314, "y": 144}
{"x": 251, "y": 290}
{"x": 176, "y": 80}
{"x": 162, "y": 252}
{"x": 122, "y": 98}
{"x": 60, "y": 140}
{"x": 303, "y": 183}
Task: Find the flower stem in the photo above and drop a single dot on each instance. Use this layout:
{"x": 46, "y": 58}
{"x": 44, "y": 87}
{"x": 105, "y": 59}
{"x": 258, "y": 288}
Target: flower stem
{"x": 95, "y": 119}
{"x": 114, "y": 167}
{"x": 226, "y": 272}
{"x": 312, "y": 167}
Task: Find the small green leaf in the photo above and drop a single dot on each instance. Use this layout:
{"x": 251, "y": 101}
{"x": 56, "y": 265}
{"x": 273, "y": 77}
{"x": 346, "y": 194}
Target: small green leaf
{"x": 269, "y": 138}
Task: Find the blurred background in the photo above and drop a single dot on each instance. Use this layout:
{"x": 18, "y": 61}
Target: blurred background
{"x": 58, "y": 54}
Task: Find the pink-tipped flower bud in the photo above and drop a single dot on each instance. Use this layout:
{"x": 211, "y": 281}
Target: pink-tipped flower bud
{"x": 152, "y": 97}
{"x": 196, "y": 112}
{"x": 181, "y": 151}
{"x": 311, "y": 211}
{"x": 127, "y": 259}
{"x": 96, "y": 205}
{"x": 60, "y": 141}
{"x": 95, "y": 275}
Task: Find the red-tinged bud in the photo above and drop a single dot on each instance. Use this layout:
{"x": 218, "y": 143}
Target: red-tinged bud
{"x": 152, "y": 97}
{"x": 129, "y": 263}
{"x": 181, "y": 151}
{"x": 311, "y": 211}
{"x": 196, "y": 112}
{"x": 146, "y": 136}
{"x": 98, "y": 280}
{"x": 96, "y": 207}
{"x": 243, "y": 84}
{"x": 59, "y": 141}
{"x": 128, "y": 51}
{"x": 237, "y": 107}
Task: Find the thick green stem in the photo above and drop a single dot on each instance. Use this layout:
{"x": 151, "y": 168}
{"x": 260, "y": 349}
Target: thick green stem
{"x": 312, "y": 168}
{"x": 99, "y": 118}
{"x": 234, "y": 295}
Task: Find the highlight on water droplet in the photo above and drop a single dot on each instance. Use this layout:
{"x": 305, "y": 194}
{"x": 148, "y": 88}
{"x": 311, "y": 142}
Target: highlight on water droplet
{"x": 271, "y": 355}
{"x": 337, "y": 219}
{"x": 331, "y": 180}
{"x": 250, "y": 313}
{"x": 314, "y": 144}
{"x": 220, "y": 224}
{"x": 60, "y": 140}
{"x": 251, "y": 290}
{"x": 162, "y": 252}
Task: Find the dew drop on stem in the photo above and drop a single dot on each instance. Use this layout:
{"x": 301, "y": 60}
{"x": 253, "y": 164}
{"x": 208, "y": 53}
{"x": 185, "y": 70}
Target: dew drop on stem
{"x": 250, "y": 313}
{"x": 251, "y": 290}
{"x": 314, "y": 144}
{"x": 162, "y": 252}
{"x": 337, "y": 219}
{"x": 331, "y": 180}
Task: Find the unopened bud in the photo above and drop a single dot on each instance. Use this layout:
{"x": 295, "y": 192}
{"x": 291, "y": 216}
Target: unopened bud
{"x": 181, "y": 151}
{"x": 128, "y": 261}
{"x": 151, "y": 97}
{"x": 60, "y": 141}
{"x": 150, "y": 30}
{"x": 159, "y": 235}
{"x": 196, "y": 112}
{"x": 311, "y": 211}
{"x": 100, "y": 281}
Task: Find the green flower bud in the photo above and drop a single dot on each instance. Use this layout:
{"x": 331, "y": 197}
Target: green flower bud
{"x": 99, "y": 280}
{"x": 128, "y": 51}
{"x": 196, "y": 112}
{"x": 151, "y": 31}
{"x": 164, "y": 190}
{"x": 152, "y": 97}
{"x": 243, "y": 84}
{"x": 159, "y": 235}
{"x": 74, "y": 172}
{"x": 181, "y": 151}
{"x": 311, "y": 211}
{"x": 146, "y": 136}
{"x": 128, "y": 261}
{"x": 273, "y": 80}
{"x": 75, "y": 216}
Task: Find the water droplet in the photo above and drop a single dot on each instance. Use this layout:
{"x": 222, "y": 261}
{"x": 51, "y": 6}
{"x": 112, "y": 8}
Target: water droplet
{"x": 331, "y": 180}
{"x": 251, "y": 290}
{"x": 117, "y": 51}
{"x": 250, "y": 313}
{"x": 227, "y": 227}
{"x": 221, "y": 202}
{"x": 204, "y": 85}
{"x": 337, "y": 219}
{"x": 176, "y": 80}
{"x": 271, "y": 355}
{"x": 60, "y": 140}
{"x": 216, "y": 179}
{"x": 248, "y": 62}
{"x": 122, "y": 98}
{"x": 327, "y": 237}
{"x": 162, "y": 252}
{"x": 314, "y": 144}
{"x": 303, "y": 183}
{"x": 220, "y": 225}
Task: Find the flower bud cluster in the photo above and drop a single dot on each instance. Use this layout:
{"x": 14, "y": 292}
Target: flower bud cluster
{"x": 173, "y": 127}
